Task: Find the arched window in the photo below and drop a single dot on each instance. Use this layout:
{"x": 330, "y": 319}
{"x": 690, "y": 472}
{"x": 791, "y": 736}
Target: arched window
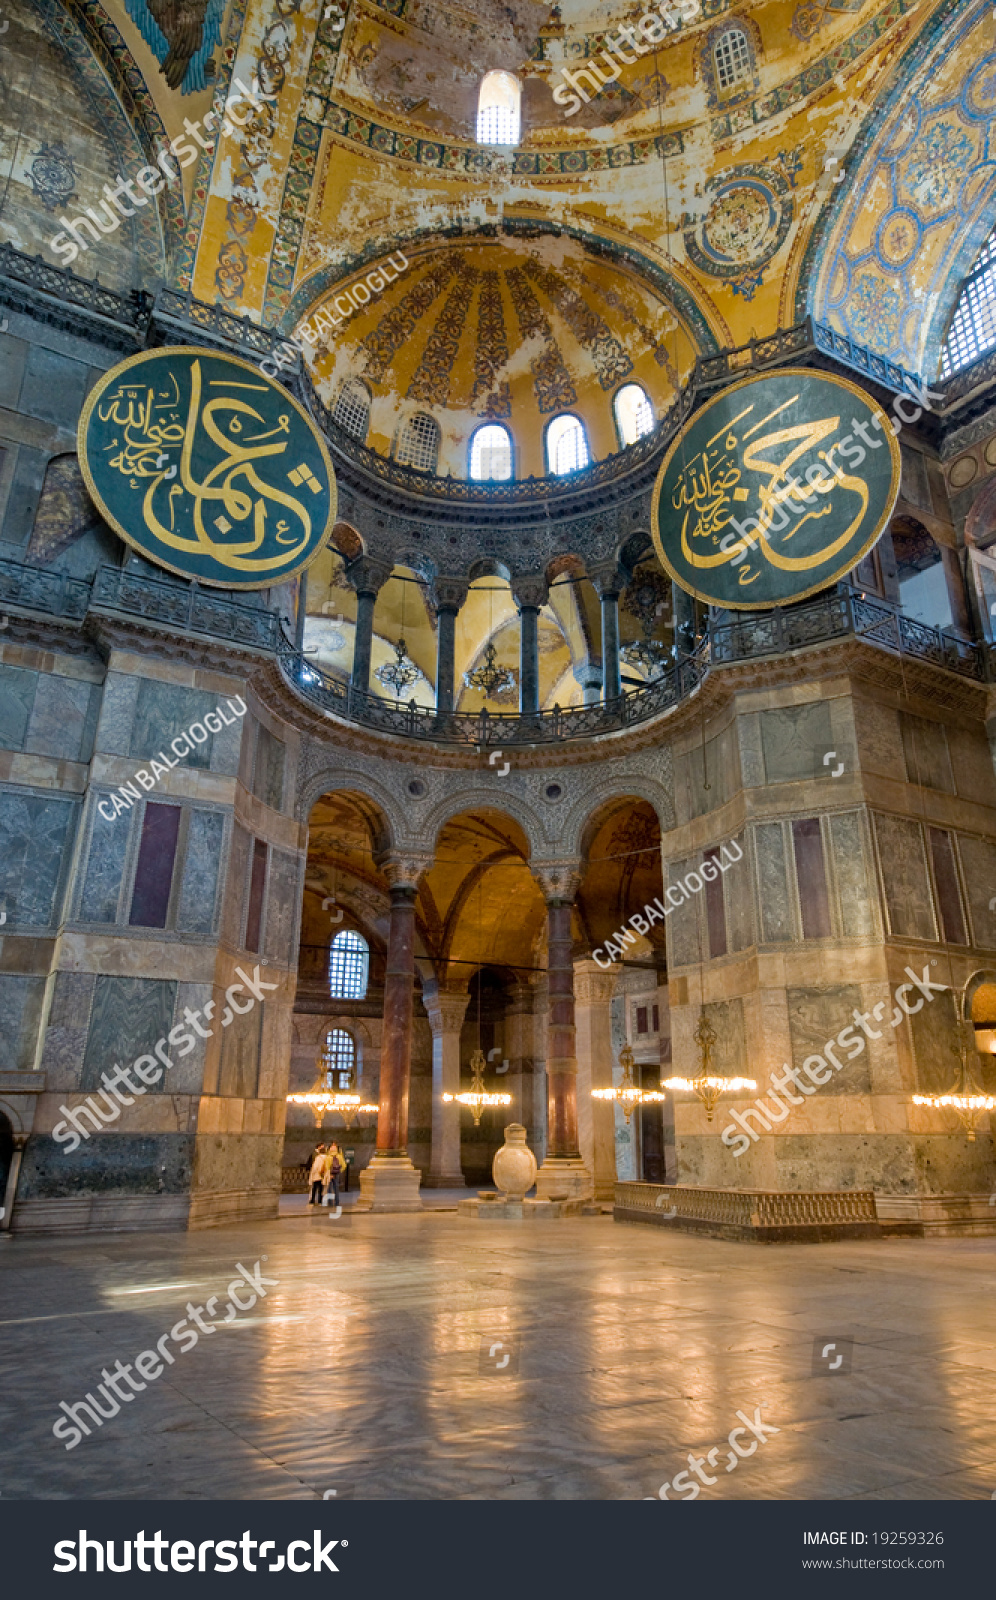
{"x": 634, "y": 414}
{"x": 352, "y": 409}
{"x": 349, "y": 962}
{"x": 566, "y": 445}
{"x": 731, "y": 59}
{"x": 339, "y": 1058}
{"x": 491, "y": 454}
{"x": 498, "y": 109}
{"x": 418, "y": 443}
{"x": 973, "y": 326}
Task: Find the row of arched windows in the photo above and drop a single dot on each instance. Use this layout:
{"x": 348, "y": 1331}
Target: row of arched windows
{"x": 491, "y": 446}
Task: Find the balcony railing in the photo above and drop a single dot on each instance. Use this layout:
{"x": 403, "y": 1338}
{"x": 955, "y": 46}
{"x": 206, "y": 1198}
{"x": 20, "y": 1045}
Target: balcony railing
{"x": 184, "y": 606}
{"x": 39, "y": 589}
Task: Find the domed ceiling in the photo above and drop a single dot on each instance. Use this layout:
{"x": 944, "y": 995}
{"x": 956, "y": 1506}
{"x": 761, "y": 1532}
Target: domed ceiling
{"x": 507, "y": 330}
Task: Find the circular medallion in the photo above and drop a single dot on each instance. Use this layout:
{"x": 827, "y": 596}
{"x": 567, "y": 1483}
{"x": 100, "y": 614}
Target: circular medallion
{"x": 748, "y": 216}
{"x": 775, "y": 489}
{"x": 963, "y": 471}
{"x": 208, "y": 467}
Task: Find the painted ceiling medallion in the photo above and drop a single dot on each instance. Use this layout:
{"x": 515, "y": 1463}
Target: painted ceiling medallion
{"x": 749, "y": 214}
{"x": 53, "y": 175}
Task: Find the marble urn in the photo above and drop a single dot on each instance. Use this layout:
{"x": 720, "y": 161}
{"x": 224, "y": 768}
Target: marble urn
{"x": 514, "y": 1166}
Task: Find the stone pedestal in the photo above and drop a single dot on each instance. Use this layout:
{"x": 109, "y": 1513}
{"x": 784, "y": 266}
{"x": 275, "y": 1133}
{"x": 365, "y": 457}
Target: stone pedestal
{"x": 564, "y": 1178}
{"x": 563, "y": 1173}
{"x": 593, "y": 991}
{"x": 389, "y": 1183}
{"x": 446, "y": 1011}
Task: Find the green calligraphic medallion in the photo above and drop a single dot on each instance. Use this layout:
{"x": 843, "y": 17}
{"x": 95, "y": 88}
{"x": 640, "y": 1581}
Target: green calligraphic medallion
{"x": 775, "y": 489}
{"x": 208, "y": 467}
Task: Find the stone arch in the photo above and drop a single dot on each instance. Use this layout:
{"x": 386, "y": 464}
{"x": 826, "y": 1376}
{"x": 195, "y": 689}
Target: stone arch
{"x": 340, "y": 780}
{"x": 583, "y": 816}
{"x": 516, "y": 808}
{"x": 348, "y": 541}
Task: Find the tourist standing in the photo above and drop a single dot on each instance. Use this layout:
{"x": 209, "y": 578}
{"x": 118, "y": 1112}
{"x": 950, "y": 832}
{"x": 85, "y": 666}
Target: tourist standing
{"x": 317, "y": 1176}
{"x": 333, "y": 1171}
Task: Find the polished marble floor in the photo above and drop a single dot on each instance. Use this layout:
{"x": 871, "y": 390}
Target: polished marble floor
{"x": 362, "y": 1370}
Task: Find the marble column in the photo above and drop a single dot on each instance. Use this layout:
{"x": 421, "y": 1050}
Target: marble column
{"x": 367, "y": 578}
{"x": 593, "y": 991}
{"x": 530, "y": 595}
{"x": 446, "y": 1010}
{"x": 609, "y": 580}
{"x": 450, "y": 594}
{"x": 589, "y": 677}
{"x": 563, "y": 1172}
{"x": 390, "y": 1182}
{"x": 302, "y": 611}
{"x": 684, "y": 621}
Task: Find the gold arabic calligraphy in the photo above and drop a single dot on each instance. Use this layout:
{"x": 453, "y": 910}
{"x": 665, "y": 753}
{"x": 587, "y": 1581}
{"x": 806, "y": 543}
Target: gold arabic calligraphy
{"x": 151, "y": 434}
{"x": 709, "y": 491}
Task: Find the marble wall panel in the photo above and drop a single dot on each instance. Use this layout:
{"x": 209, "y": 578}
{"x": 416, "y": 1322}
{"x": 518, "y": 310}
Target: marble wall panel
{"x": 685, "y": 934}
{"x": 63, "y": 719}
{"x": 165, "y": 710}
{"x": 127, "y": 1017}
{"x": 904, "y": 877}
{"x": 729, "y": 1056}
{"x": 186, "y": 1076}
{"x": 711, "y": 775}
{"x": 117, "y": 713}
{"x": 197, "y": 910}
{"x": 282, "y": 922}
{"x": 104, "y": 867}
{"x": 777, "y": 914}
{"x": 235, "y": 887}
{"x": 978, "y": 860}
{"x": 626, "y": 1154}
{"x": 850, "y": 871}
{"x": 66, "y": 1029}
{"x": 751, "y": 754}
{"x": 880, "y": 745}
{"x": 936, "y": 1039}
{"x": 794, "y": 740}
{"x": 17, "y": 694}
{"x": 739, "y": 905}
{"x": 972, "y": 763}
{"x": 240, "y": 1052}
{"x": 816, "y": 1015}
{"x": 845, "y": 1161}
{"x": 21, "y": 998}
{"x": 107, "y": 1163}
{"x": 226, "y": 750}
{"x": 925, "y": 751}
{"x": 268, "y": 778}
{"x": 34, "y": 835}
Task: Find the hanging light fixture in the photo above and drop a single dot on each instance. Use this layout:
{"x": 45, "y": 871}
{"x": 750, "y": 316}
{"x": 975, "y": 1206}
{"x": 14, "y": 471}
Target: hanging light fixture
{"x": 626, "y": 1092}
{"x": 489, "y": 677}
{"x": 324, "y": 1096}
{"x": 706, "y": 1085}
{"x": 965, "y": 1097}
{"x": 477, "y": 1098}
{"x": 402, "y": 672}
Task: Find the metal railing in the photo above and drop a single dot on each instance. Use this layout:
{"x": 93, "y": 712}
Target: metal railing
{"x": 184, "y": 606}
{"x": 39, "y": 589}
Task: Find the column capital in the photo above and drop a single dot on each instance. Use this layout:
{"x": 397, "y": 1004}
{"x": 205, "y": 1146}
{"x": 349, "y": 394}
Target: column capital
{"x": 367, "y": 575}
{"x": 559, "y": 880}
{"x": 593, "y": 983}
{"x": 607, "y": 578}
{"x": 450, "y": 593}
{"x": 445, "y": 1009}
{"x": 530, "y": 592}
{"x": 403, "y": 868}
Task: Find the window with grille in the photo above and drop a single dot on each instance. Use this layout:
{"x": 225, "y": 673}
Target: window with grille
{"x": 418, "y": 443}
{"x": 339, "y": 1058}
{"x": 349, "y": 961}
{"x": 498, "y": 117}
{"x": 731, "y": 54}
{"x": 973, "y": 326}
{"x": 491, "y": 454}
{"x": 352, "y": 409}
{"x": 566, "y": 445}
{"x": 634, "y": 416}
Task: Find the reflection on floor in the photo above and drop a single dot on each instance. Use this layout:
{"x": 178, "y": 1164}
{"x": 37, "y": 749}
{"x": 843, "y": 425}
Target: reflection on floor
{"x": 366, "y": 1369}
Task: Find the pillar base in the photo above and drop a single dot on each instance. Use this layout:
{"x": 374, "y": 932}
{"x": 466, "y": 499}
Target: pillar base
{"x": 444, "y": 1180}
{"x": 389, "y": 1183}
{"x": 564, "y": 1178}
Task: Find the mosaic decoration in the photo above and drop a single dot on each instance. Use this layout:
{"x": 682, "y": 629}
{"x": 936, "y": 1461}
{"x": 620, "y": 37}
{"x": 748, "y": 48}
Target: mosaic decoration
{"x": 926, "y": 153}
{"x": 653, "y": 342}
{"x": 431, "y": 381}
{"x": 756, "y": 503}
{"x": 53, "y": 175}
{"x": 551, "y": 379}
{"x": 396, "y": 327}
{"x": 181, "y": 35}
{"x": 491, "y": 352}
{"x": 207, "y": 467}
{"x": 749, "y": 215}
{"x": 813, "y": 15}
{"x": 611, "y": 361}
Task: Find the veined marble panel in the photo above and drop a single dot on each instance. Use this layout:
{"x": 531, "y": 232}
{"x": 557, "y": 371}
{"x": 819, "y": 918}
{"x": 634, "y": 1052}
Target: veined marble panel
{"x": 794, "y": 740}
{"x": 857, "y": 915}
{"x": 904, "y": 877}
{"x": 127, "y": 1017}
{"x": 21, "y": 999}
{"x": 816, "y": 1015}
{"x": 105, "y": 863}
{"x": 17, "y": 694}
{"x": 978, "y": 860}
{"x": 199, "y": 894}
{"x": 34, "y": 834}
{"x": 925, "y": 748}
{"x": 280, "y": 938}
{"x": 62, "y": 719}
{"x": 777, "y": 917}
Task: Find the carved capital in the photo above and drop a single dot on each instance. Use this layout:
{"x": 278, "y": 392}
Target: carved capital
{"x": 558, "y": 880}
{"x": 450, "y": 593}
{"x": 445, "y": 1010}
{"x": 532, "y": 591}
{"x": 367, "y": 575}
{"x": 607, "y": 577}
{"x": 402, "y": 869}
{"x": 592, "y": 984}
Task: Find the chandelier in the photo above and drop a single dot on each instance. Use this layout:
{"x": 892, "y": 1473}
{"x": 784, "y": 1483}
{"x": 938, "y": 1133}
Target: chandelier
{"x": 400, "y": 673}
{"x": 706, "y": 1085}
{"x": 645, "y": 655}
{"x": 626, "y": 1091}
{"x": 477, "y": 1098}
{"x": 490, "y": 678}
{"x": 324, "y": 1097}
{"x": 965, "y": 1097}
